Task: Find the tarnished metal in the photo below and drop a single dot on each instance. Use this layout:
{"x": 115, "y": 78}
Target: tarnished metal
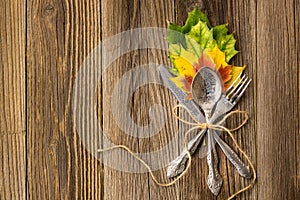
{"x": 224, "y": 104}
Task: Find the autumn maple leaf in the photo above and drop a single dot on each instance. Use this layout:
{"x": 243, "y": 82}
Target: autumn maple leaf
{"x": 225, "y": 73}
{"x": 197, "y": 44}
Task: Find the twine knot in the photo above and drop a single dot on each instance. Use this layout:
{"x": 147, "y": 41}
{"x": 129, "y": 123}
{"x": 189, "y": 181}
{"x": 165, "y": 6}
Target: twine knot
{"x": 203, "y": 125}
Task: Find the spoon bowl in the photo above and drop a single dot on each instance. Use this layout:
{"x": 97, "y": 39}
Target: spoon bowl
{"x": 206, "y": 89}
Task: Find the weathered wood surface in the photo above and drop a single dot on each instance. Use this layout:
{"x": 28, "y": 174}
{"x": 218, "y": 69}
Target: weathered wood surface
{"x": 44, "y": 43}
{"x": 12, "y": 100}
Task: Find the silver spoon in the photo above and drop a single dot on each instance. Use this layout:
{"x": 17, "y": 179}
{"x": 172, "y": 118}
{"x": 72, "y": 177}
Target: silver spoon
{"x": 206, "y": 91}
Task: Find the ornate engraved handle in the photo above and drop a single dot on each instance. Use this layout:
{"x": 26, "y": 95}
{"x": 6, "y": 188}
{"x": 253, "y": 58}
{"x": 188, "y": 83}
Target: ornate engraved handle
{"x": 214, "y": 180}
{"x": 233, "y": 157}
{"x": 178, "y": 165}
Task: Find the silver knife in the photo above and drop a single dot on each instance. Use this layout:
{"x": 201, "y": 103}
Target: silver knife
{"x": 178, "y": 165}
{"x": 180, "y": 95}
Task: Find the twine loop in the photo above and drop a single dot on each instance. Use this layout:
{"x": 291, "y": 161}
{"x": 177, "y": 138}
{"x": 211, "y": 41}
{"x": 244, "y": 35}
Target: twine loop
{"x": 218, "y": 127}
{"x": 196, "y": 125}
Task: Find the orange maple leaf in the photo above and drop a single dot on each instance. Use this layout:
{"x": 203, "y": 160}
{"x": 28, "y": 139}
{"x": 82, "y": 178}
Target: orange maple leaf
{"x": 225, "y": 73}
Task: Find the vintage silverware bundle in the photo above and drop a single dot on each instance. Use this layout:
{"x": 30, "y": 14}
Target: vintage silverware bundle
{"x": 207, "y": 95}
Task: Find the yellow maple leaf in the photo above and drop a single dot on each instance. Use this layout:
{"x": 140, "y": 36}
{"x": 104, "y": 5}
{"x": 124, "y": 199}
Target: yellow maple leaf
{"x": 236, "y": 71}
{"x": 184, "y": 63}
{"x": 218, "y": 57}
{"x": 182, "y": 83}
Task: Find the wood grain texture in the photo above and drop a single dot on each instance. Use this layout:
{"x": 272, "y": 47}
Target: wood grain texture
{"x": 60, "y": 35}
{"x": 277, "y": 99}
{"x": 12, "y": 100}
{"x": 42, "y": 47}
{"x": 140, "y": 14}
{"x": 118, "y": 185}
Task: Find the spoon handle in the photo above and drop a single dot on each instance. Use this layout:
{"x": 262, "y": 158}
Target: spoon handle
{"x": 177, "y": 166}
{"x": 233, "y": 158}
{"x": 214, "y": 180}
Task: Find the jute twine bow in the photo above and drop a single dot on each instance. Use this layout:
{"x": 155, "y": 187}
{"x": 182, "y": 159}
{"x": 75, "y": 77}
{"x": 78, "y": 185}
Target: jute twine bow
{"x": 196, "y": 125}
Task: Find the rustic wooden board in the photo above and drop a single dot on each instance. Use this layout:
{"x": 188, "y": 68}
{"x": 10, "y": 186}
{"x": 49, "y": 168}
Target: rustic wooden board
{"x": 277, "y": 100}
{"x": 12, "y": 100}
{"x": 43, "y": 45}
{"x": 59, "y": 36}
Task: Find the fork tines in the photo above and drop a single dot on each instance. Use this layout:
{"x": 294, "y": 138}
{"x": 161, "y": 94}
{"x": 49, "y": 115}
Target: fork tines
{"x": 236, "y": 90}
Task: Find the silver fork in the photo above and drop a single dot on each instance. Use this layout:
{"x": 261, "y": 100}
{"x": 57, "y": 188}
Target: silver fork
{"x": 226, "y": 103}
{"x": 230, "y": 100}
{"x": 231, "y": 97}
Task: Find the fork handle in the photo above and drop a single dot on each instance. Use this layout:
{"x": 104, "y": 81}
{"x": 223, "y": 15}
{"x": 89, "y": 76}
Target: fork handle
{"x": 233, "y": 157}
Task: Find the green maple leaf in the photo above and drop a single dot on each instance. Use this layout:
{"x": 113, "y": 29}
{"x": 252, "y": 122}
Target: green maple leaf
{"x": 174, "y": 51}
{"x": 226, "y": 43}
{"x": 176, "y": 33}
{"x": 193, "y": 46}
{"x": 219, "y": 31}
{"x": 203, "y": 35}
{"x": 193, "y": 18}
{"x": 175, "y": 36}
